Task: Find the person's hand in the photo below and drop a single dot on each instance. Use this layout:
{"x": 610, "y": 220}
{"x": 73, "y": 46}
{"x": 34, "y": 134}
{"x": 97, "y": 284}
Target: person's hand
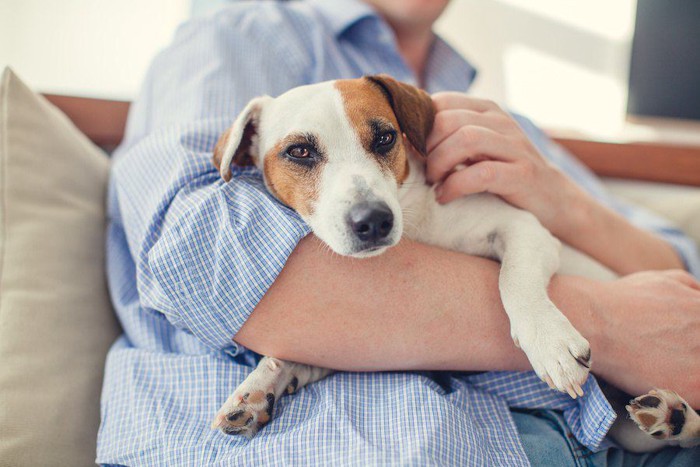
{"x": 499, "y": 159}
{"x": 647, "y": 330}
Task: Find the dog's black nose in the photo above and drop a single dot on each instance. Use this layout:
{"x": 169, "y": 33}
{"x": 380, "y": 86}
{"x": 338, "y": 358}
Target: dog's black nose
{"x": 371, "y": 221}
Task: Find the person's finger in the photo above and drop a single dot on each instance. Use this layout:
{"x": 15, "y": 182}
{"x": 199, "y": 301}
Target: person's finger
{"x": 488, "y": 176}
{"x": 458, "y": 100}
{"x": 468, "y": 144}
{"x": 449, "y": 121}
{"x": 683, "y": 277}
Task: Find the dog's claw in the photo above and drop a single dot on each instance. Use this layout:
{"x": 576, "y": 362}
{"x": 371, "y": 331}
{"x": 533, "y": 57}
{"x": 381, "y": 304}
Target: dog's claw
{"x": 548, "y": 380}
{"x": 583, "y": 360}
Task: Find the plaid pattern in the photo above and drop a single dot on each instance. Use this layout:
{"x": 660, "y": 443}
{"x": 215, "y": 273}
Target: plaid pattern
{"x": 189, "y": 257}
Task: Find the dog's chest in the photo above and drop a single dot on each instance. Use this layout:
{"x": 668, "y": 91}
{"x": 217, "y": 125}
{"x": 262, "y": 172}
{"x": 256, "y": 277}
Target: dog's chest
{"x": 417, "y": 199}
{"x": 462, "y": 225}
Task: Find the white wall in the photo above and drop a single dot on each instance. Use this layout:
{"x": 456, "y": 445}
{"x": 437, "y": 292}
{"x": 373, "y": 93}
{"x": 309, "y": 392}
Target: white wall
{"x": 86, "y": 47}
{"x": 564, "y": 63}
{"x": 4, "y": 25}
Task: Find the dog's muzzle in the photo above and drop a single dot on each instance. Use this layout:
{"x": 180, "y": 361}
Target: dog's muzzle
{"x": 371, "y": 222}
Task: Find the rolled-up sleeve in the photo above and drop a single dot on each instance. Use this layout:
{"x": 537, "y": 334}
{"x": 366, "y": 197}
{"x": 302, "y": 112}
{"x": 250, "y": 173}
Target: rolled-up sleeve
{"x": 205, "y": 251}
{"x": 684, "y": 246}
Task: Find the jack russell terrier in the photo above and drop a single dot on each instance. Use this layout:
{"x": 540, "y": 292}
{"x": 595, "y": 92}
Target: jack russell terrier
{"x": 335, "y": 153}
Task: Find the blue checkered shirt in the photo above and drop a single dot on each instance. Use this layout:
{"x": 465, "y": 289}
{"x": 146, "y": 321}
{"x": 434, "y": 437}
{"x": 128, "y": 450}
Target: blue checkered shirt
{"x": 189, "y": 258}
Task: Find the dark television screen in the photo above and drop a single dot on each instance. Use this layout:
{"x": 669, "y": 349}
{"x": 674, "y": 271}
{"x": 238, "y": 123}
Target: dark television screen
{"x": 665, "y": 66}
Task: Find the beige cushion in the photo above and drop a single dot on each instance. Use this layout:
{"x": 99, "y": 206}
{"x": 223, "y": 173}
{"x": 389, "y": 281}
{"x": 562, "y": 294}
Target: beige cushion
{"x": 56, "y": 322}
{"x": 679, "y": 204}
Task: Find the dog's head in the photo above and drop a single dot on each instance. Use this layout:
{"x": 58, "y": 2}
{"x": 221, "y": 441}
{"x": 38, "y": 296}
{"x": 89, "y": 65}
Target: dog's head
{"x": 335, "y": 153}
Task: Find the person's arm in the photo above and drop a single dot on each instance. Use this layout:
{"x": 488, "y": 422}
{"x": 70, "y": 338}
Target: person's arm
{"x": 413, "y": 307}
{"x": 505, "y": 157}
{"x": 606, "y": 235}
{"x": 421, "y": 307}
{"x": 206, "y": 251}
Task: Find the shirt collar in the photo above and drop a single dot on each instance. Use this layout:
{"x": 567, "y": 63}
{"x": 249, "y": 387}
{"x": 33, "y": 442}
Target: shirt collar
{"x": 342, "y": 14}
{"x": 446, "y": 68}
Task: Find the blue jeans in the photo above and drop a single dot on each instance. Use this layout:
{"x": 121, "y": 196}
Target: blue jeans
{"x": 548, "y": 441}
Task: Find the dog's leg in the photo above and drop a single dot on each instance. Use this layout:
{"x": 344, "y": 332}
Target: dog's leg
{"x": 487, "y": 226}
{"x": 250, "y": 406}
{"x": 529, "y": 257}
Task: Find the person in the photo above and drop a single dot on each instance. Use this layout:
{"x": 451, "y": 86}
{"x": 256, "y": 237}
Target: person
{"x": 206, "y": 275}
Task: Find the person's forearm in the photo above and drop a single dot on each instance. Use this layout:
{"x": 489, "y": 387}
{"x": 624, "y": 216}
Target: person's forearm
{"x": 608, "y": 237}
{"x": 414, "y": 307}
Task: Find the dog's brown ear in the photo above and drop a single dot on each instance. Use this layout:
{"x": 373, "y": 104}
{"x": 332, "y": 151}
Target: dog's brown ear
{"x": 413, "y": 108}
{"x": 237, "y": 144}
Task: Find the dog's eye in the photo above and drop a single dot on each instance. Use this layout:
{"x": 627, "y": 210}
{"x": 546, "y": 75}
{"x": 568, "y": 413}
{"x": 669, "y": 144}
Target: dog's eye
{"x": 298, "y": 152}
{"x": 386, "y": 139}
{"x": 384, "y": 142}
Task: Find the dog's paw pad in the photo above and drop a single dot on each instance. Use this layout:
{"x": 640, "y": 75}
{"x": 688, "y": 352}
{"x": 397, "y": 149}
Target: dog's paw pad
{"x": 244, "y": 414}
{"x": 661, "y": 414}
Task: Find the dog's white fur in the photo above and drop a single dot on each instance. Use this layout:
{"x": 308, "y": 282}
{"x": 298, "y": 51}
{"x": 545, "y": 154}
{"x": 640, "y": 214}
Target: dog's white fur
{"x": 349, "y": 175}
{"x": 482, "y": 225}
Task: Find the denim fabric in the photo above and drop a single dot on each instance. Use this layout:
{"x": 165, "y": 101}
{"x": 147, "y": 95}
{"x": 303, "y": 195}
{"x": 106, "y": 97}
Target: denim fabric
{"x": 547, "y": 440}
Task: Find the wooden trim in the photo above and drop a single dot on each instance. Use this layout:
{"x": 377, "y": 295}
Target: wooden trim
{"x": 103, "y": 121}
{"x": 640, "y": 161}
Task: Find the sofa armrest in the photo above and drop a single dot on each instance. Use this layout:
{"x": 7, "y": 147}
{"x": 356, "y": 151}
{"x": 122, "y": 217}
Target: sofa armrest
{"x": 656, "y": 162}
{"x": 101, "y": 120}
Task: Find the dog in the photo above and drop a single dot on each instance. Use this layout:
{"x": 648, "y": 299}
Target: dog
{"x": 348, "y": 157}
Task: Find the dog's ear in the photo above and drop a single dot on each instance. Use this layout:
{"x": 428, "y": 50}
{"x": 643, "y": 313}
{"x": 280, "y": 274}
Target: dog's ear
{"x": 413, "y": 108}
{"x": 238, "y": 144}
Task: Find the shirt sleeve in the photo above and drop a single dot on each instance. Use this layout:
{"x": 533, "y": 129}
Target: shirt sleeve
{"x": 684, "y": 246}
{"x": 206, "y": 251}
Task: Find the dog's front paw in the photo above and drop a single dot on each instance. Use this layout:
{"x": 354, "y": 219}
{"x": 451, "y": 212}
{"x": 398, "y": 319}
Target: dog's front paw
{"x": 664, "y": 415}
{"x": 559, "y": 354}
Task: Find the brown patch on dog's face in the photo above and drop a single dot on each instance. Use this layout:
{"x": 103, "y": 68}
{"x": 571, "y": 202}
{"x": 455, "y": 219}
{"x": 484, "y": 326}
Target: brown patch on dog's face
{"x": 295, "y": 181}
{"x": 374, "y": 121}
{"x": 413, "y": 108}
